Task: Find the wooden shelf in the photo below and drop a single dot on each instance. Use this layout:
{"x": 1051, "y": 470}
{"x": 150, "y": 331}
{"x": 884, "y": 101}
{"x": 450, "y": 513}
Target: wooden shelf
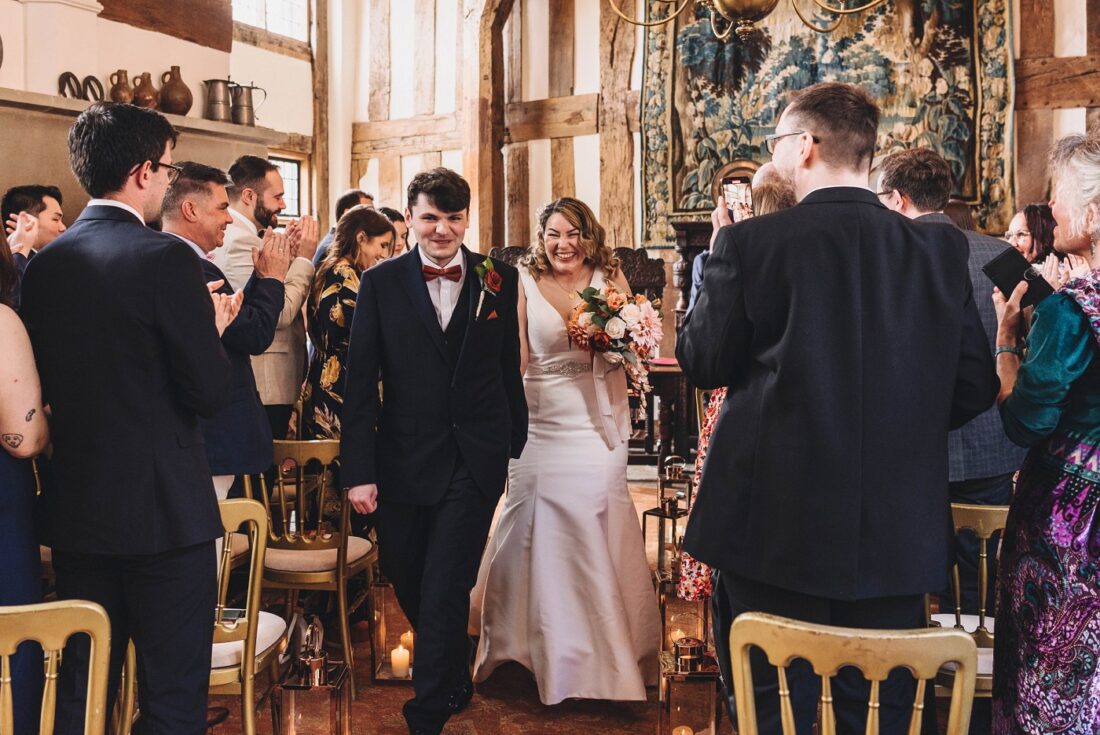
{"x": 52, "y": 104}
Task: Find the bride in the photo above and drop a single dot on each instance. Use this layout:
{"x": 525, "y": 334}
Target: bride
{"x": 564, "y": 587}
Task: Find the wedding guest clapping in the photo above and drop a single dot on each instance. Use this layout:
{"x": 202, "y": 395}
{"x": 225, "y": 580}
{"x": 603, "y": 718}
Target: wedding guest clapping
{"x": 41, "y": 202}
{"x": 24, "y": 433}
{"x": 196, "y": 210}
{"x": 1048, "y": 621}
{"x": 126, "y": 335}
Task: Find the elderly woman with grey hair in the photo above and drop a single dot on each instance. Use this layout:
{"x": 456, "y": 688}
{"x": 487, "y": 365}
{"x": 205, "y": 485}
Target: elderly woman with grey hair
{"x": 1047, "y": 648}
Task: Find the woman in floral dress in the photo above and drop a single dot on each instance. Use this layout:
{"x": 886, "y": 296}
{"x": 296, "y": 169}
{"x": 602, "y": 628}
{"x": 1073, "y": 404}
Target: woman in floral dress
{"x": 363, "y": 237}
{"x": 1046, "y": 662}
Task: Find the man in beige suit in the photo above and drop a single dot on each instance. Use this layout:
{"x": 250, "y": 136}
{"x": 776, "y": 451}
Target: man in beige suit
{"x": 255, "y": 200}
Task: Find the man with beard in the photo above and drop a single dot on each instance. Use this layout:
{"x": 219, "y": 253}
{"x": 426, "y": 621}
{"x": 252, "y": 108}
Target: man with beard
{"x": 255, "y": 200}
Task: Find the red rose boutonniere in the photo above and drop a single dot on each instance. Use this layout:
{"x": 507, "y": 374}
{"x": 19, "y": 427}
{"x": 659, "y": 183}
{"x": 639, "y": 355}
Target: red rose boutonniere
{"x": 491, "y": 282}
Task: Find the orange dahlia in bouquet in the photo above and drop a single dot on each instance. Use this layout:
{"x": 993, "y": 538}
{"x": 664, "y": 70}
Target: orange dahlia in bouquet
{"x": 623, "y": 330}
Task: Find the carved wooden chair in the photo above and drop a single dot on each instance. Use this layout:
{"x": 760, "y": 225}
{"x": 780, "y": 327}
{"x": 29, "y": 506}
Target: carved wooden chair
{"x": 645, "y": 275}
{"x": 828, "y": 649}
{"x": 52, "y": 624}
{"x": 510, "y": 255}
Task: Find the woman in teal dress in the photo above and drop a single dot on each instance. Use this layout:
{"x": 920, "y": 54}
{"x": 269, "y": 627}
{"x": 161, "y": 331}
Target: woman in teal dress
{"x": 363, "y": 237}
{"x": 1046, "y": 675}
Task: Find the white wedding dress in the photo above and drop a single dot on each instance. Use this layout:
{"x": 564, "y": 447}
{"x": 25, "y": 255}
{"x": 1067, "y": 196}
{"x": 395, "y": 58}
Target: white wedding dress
{"x": 564, "y": 587}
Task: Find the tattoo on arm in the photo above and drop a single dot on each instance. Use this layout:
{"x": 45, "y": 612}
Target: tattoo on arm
{"x": 12, "y": 440}
{"x": 30, "y": 414}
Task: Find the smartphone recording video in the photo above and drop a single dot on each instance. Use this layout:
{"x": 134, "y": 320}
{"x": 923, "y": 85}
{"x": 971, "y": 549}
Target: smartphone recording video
{"x": 737, "y": 191}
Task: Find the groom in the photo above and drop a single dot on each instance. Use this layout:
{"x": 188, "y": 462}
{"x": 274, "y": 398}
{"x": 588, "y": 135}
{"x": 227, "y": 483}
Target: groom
{"x": 438, "y": 326}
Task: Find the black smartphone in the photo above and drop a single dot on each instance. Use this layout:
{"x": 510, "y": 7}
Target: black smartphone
{"x": 737, "y": 191}
{"x": 1009, "y": 268}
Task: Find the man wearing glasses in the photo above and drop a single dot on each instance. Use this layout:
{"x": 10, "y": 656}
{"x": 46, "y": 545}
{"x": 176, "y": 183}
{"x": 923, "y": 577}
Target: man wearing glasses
{"x": 850, "y": 342}
{"x": 126, "y": 335}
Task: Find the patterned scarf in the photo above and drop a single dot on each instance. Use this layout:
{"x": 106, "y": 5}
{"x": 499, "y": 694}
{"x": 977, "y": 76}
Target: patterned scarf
{"x": 1086, "y": 292}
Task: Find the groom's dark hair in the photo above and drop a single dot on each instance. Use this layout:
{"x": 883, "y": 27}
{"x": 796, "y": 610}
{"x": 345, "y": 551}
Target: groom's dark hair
{"x": 447, "y": 190}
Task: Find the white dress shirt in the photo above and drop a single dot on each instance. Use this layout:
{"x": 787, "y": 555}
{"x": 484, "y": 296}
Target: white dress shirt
{"x": 115, "y": 203}
{"x": 444, "y": 292}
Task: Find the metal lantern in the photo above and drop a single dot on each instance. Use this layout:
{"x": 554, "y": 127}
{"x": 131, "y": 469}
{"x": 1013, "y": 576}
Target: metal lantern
{"x": 682, "y": 618}
{"x": 393, "y": 643}
{"x": 313, "y": 700}
{"x": 688, "y": 695}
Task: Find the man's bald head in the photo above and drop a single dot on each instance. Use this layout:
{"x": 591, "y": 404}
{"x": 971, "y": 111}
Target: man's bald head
{"x": 767, "y": 174}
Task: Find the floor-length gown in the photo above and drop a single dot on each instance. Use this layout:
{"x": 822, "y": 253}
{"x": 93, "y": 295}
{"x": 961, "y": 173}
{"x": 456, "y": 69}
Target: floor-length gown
{"x": 564, "y": 587}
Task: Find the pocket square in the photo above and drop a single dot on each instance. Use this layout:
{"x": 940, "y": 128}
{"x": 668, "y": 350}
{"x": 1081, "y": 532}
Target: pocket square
{"x": 492, "y": 315}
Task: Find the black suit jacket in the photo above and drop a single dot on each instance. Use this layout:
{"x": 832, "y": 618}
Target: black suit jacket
{"x": 124, "y": 337}
{"x": 238, "y": 437}
{"x": 431, "y": 411}
{"x": 850, "y": 342}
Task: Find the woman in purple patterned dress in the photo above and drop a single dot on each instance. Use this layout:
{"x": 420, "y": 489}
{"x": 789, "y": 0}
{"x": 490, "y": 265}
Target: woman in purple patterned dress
{"x": 1046, "y": 676}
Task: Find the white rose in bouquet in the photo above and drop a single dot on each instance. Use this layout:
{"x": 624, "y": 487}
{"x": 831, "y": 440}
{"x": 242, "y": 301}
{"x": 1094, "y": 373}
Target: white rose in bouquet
{"x": 615, "y": 328}
{"x": 630, "y": 314}
{"x": 585, "y": 319}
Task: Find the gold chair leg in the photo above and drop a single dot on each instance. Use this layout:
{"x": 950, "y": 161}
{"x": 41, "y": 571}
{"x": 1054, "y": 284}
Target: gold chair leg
{"x": 345, "y": 635}
{"x": 248, "y": 706}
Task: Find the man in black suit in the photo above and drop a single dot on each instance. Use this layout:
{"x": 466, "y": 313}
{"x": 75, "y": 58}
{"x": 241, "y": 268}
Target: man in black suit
{"x": 850, "y": 342}
{"x": 439, "y": 326}
{"x": 196, "y": 210}
{"x": 981, "y": 460}
{"x": 128, "y": 346}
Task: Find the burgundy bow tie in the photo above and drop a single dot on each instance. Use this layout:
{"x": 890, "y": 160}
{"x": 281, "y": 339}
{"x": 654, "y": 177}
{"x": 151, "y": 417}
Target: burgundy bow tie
{"x": 454, "y": 273}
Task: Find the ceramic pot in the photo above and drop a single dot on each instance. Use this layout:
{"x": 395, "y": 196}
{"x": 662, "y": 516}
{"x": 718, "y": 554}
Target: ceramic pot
{"x": 175, "y": 96}
{"x": 121, "y": 91}
{"x": 145, "y": 94}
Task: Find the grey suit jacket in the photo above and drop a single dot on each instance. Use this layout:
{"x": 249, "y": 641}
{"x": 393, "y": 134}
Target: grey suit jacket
{"x": 980, "y": 448}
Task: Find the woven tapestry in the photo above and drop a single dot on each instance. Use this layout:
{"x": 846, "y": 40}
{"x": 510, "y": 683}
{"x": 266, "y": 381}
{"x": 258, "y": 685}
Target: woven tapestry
{"x": 941, "y": 71}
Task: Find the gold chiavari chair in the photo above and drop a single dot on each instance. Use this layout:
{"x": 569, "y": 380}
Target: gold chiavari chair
{"x": 984, "y": 521}
{"x": 249, "y": 642}
{"x": 245, "y": 640}
{"x": 304, "y": 551}
{"x": 51, "y": 624}
{"x": 828, "y": 649}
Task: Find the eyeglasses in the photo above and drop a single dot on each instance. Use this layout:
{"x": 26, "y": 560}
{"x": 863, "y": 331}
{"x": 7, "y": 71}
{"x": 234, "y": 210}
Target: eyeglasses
{"x": 1019, "y": 235}
{"x": 174, "y": 171}
{"x": 885, "y": 192}
{"x": 768, "y": 145}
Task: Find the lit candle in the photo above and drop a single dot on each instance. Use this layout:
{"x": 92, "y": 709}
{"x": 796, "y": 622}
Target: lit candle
{"x": 683, "y": 730}
{"x": 399, "y": 662}
{"x": 407, "y": 640}
{"x": 676, "y": 635}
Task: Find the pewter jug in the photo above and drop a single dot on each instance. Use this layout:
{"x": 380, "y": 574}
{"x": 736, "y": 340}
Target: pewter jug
{"x": 243, "y": 111}
{"x": 217, "y": 100}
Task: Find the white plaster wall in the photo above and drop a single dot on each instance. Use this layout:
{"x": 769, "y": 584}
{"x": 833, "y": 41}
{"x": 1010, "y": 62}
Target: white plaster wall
{"x": 289, "y": 85}
{"x": 347, "y": 72}
{"x": 124, "y": 47}
{"x": 12, "y": 70}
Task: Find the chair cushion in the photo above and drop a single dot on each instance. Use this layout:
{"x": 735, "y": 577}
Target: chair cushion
{"x": 969, "y": 622}
{"x": 270, "y": 629}
{"x": 985, "y": 664}
{"x": 286, "y": 560}
{"x": 238, "y": 545}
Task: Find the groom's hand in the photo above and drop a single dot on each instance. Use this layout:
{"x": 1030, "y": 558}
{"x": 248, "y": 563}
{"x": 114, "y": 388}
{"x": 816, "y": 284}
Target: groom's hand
{"x": 364, "y": 498}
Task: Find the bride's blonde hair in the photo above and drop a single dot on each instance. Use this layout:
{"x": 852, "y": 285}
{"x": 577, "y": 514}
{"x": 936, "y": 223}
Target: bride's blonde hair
{"x": 592, "y": 238}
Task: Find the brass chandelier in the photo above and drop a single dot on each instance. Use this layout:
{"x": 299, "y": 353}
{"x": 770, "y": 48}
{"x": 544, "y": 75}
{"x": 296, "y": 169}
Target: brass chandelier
{"x": 740, "y": 16}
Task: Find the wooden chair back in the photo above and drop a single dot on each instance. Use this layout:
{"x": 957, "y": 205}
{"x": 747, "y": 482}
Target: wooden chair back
{"x": 645, "y": 275}
{"x": 984, "y": 521}
{"x": 510, "y": 255}
{"x": 828, "y": 649}
{"x": 51, "y": 624}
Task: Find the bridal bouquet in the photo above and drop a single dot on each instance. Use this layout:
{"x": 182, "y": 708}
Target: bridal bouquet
{"x": 623, "y": 330}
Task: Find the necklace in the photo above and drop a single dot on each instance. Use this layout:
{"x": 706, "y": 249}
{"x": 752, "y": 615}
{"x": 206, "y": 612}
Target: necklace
{"x": 570, "y": 292}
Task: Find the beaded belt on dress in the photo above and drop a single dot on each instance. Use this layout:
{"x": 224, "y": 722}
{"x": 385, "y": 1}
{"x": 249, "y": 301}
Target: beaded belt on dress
{"x": 569, "y": 369}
